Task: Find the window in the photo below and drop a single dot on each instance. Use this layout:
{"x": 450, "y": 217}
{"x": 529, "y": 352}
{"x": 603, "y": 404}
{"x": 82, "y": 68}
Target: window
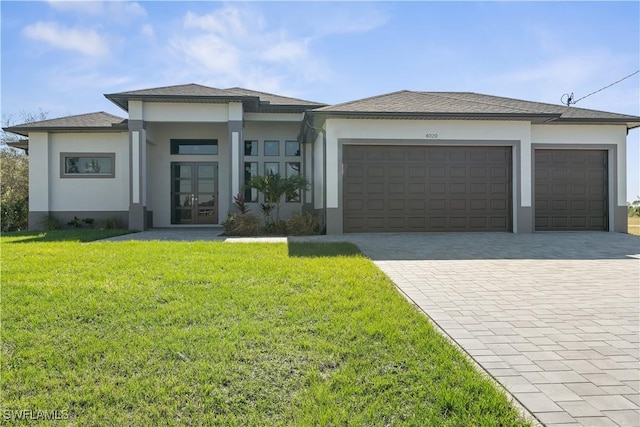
{"x": 251, "y": 148}
{"x": 194, "y": 146}
{"x": 291, "y": 148}
{"x": 272, "y": 148}
{"x": 87, "y": 165}
{"x": 250, "y": 170}
{"x": 271, "y": 168}
{"x": 293, "y": 169}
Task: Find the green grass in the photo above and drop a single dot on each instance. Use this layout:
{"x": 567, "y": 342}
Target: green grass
{"x": 167, "y": 333}
{"x": 80, "y": 235}
{"x": 633, "y": 225}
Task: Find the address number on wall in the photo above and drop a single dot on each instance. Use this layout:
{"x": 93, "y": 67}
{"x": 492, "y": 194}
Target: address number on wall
{"x": 431, "y": 135}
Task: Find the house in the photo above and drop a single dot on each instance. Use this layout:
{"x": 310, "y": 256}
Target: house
{"x": 403, "y": 161}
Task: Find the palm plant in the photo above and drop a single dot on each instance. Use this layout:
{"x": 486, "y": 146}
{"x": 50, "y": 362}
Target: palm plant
{"x": 275, "y": 188}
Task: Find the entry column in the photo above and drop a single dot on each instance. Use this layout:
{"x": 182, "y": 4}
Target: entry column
{"x": 235, "y": 143}
{"x": 137, "y": 175}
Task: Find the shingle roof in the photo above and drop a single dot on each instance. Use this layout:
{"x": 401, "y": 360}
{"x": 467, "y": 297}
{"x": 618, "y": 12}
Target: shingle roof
{"x": 200, "y": 93}
{"x": 271, "y": 98}
{"x": 89, "y": 121}
{"x": 190, "y": 89}
{"x": 468, "y": 103}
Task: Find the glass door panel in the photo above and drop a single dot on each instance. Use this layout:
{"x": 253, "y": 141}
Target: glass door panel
{"x": 194, "y": 192}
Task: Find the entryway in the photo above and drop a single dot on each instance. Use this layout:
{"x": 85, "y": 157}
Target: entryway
{"x": 194, "y": 193}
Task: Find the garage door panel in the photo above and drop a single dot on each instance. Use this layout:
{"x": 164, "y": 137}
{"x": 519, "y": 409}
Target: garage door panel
{"x": 438, "y": 188}
{"x": 396, "y": 172}
{"x": 435, "y": 172}
{"x": 396, "y": 204}
{"x": 434, "y": 188}
{"x": 499, "y": 172}
{"x": 458, "y": 172}
{"x": 437, "y": 205}
{"x": 355, "y": 204}
{"x": 478, "y": 205}
{"x": 375, "y": 188}
{"x": 571, "y": 190}
{"x": 375, "y": 204}
{"x": 499, "y": 189}
{"x": 417, "y": 204}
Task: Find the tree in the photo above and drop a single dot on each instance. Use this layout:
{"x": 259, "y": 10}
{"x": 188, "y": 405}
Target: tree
{"x": 275, "y": 188}
{"x": 14, "y": 175}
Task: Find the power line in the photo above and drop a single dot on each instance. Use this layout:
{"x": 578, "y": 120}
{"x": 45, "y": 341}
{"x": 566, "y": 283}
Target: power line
{"x": 569, "y": 98}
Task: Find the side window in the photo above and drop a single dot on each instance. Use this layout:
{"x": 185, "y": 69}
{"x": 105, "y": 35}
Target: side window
{"x": 87, "y": 165}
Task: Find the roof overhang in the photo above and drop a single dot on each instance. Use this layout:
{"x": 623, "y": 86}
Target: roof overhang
{"x": 24, "y": 131}
{"x": 251, "y": 104}
{"x": 21, "y": 144}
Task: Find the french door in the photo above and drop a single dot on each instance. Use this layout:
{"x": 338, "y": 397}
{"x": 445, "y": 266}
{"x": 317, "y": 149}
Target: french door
{"x": 194, "y": 193}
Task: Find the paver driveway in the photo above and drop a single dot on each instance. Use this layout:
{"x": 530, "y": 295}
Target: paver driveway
{"x": 553, "y": 317}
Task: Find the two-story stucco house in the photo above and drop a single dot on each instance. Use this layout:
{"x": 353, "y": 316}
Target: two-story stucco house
{"x": 404, "y": 161}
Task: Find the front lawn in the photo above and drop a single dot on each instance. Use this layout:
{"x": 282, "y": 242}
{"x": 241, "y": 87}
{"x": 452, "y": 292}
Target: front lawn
{"x": 167, "y": 333}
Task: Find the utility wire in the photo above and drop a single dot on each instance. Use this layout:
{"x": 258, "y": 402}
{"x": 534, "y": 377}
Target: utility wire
{"x": 569, "y": 98}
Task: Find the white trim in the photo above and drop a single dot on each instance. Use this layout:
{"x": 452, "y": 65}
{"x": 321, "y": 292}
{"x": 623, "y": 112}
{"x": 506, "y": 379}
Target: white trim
{"x": 235, "y": 163}
{"x": 135, "y": 166}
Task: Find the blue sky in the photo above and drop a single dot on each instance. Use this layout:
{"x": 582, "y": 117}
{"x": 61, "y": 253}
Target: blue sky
{"x": 62, "y": 56}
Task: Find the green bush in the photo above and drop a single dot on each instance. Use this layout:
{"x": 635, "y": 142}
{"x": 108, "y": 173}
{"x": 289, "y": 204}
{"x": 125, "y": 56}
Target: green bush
{"x": 303, "y": 224}
{"x": 49, "y": 222}
{"x": 15, "y": 214}
{"x": 277, "y": 227}
{"x": 112, "y": 223}
{"x": 246, "y": 224}
{"x": 14, "y": 176}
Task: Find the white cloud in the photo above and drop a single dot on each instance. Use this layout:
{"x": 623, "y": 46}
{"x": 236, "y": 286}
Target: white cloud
{"x": 85, "y": 41}
{"x": 147, "y": 31}
{"x": 235, "y": 46}
{"x": 345, "y": 22}
{"x": 120, "y": 10}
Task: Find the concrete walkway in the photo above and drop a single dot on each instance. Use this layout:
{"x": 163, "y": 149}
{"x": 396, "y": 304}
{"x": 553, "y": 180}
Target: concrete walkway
{"x": 553, "y": 317}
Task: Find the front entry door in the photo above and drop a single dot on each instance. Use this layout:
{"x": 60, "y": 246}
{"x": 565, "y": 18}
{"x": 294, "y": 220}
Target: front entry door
{"x": 194, "y": 193}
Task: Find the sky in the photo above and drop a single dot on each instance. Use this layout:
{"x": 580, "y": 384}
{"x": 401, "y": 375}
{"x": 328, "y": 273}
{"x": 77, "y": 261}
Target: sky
{"x": 61, "y": 57}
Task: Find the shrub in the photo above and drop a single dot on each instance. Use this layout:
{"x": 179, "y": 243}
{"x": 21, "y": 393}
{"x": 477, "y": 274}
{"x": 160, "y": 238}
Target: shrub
{"x": 49, "y": 222}
{"x": 15, "y": 214}
{"x": 303, "y": 224}
{"x": 112, "y": 223}
{"x": 241, "y": 225}
{"x": 14, "y": 191}
{"x": 278, "y": 227}
{"x": 75, "y": 222}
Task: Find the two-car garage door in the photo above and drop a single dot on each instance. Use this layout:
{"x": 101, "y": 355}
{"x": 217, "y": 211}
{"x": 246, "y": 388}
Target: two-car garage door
{"x": 389, "y": 188}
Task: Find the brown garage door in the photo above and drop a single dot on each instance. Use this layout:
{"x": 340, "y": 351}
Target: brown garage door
{"x": 571, "y": 190}
{"x": 413, "y": 188}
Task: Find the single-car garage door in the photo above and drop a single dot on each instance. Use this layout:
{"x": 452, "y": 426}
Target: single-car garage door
{"x": 434, "y": 188}
{"x": 571, "y": 190}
